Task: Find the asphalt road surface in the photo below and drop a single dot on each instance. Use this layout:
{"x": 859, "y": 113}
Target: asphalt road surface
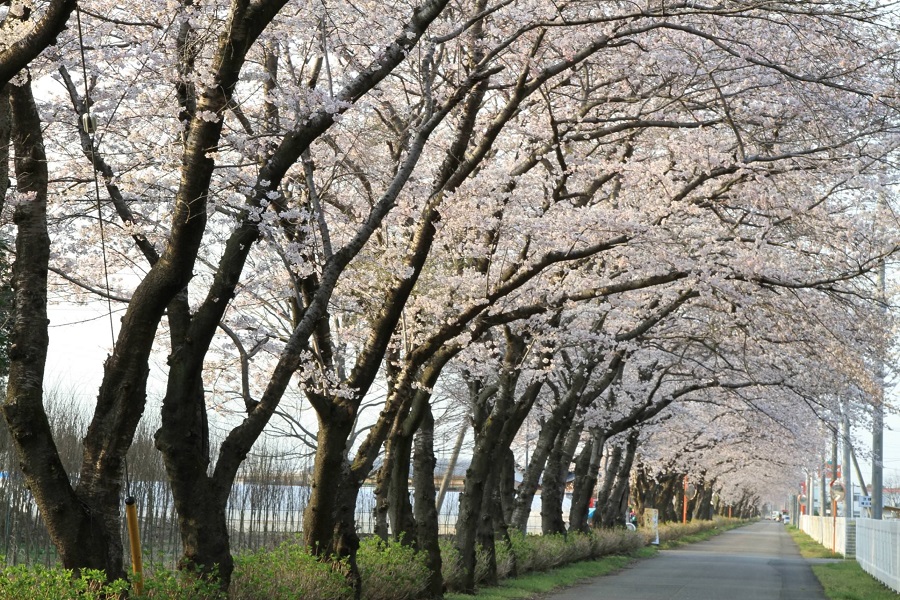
{"x": 755, "y": 562}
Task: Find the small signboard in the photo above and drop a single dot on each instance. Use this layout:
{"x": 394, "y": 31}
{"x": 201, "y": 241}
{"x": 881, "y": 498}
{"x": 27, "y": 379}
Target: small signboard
{"x": 865, "y": 501}
{"x": 651, "y": 521}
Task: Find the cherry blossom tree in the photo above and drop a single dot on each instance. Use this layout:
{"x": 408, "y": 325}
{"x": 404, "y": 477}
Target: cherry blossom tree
{"x": 296, "y": 194}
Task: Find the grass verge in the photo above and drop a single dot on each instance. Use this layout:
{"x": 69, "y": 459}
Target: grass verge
{"x": 810, "y": 548}
{"x": 843, "y": 580}
{"x": 847, "y": 581}
{"x": 534, "y": 584}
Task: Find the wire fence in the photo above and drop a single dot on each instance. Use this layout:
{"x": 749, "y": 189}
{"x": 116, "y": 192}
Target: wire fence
{"x": 259, "y": 515}
{"x": 265, "y": 507}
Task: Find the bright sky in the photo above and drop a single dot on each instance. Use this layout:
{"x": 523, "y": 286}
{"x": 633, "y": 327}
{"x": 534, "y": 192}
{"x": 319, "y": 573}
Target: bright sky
{"x": 80, "y": 341}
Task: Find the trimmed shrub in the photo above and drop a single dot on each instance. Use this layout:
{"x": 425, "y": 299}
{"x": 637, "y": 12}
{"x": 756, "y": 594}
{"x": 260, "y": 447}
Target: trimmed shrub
{"x": 180, "y": 585}
{"x": 674, "y": 531}
{"x": 391, "y": 570}
{"x": 286, "y": 573}
{"x": 450, "y": 571}
{"x": 541, "y": 552}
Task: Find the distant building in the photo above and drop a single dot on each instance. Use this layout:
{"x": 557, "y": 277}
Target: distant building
{"x": 457, "y": 477}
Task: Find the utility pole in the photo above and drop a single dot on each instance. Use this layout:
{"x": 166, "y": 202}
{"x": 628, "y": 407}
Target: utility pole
{"x": 878, "y": 412}
{"x": 810, "y": 492}
{"x": 846, "y": 473}
{"x": 834, "y": 465}
{"x": 823, "y": 496}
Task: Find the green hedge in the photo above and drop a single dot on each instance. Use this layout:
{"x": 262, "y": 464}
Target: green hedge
{"x": 389, "y": 570}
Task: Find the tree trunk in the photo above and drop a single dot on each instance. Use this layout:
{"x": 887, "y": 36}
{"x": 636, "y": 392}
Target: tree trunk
{"x": 5, "y": 133}
{"x": 381, "y": 528}
{"x": 563, "y": 413}
{"x": 426, "y": 514}
{"x": 645, "y": 491}
{"x": 703, "y": 508}
{"x": 553, "y": 489}
{"x": 506, "y": 490}
{"x": 84, "y": 527}
{"x": 474, "y": 519}
{"x": 609, "y": 479}
{"x": 485, "y": 527}
{"x": 398, "y": 455}
{"x": 671, "y": 495}
{"x": 531, "y": 479}
{"x": 470, "y": 503}
{"x": 494, "y": 427}
{"x": 200, "y": 500}
{"x": 586, "y": 469}
{"x": 617, "y": 503}
{"x": 328, "y": 521}
{"x": 399, "y": 448}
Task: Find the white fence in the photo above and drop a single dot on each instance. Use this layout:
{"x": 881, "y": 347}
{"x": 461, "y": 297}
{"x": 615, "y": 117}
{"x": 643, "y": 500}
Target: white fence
{"x": 878, "y": 550}
{"x": 828, "y": 531}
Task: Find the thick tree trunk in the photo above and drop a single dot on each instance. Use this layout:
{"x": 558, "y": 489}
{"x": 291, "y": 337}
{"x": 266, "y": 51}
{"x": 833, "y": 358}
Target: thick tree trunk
{"x": 646, "y": 491}
{"x": 586, "y": 469}
{"x": 382, "y": 502}
{"x": 200, "y": 500}
{"x": 609, "y": 478}
{"x": 426, "y": 514}
{"x": 399, "y": 449}
{"x": 328, "y": 521}
{"x": 553, "y": 490}
{"x": 506, "y": 461}
{"x": 203, "y": 526}
{"x": 5, "y": 133}
{"x": 470, "y": 503}
{"x": 397, "y": 461}
{"x": 494, "y": 428}
{"x": 531, "y": 479}
{"x": 703, "y": 506}
{"x": 84, "y": 526}
{"x": 617, "y": 503}
{"x": 670, "y": 497}
{"x": 505, "y": 502}
{"x": 485, "y": 527}
{"x": 475, "y": 521}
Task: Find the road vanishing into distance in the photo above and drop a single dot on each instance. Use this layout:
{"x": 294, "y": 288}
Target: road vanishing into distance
{"x": 755, "y": 562}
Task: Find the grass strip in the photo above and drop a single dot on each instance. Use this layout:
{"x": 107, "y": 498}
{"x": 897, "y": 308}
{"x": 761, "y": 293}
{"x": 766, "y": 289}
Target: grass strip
{"x": 810, "y": 548}
{"x": 847, "y": 581}
{"x": 535, "y": 584}
{"x": 843, "y": 580}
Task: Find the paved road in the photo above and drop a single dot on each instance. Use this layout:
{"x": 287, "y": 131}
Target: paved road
{"x": 756, "y": 562}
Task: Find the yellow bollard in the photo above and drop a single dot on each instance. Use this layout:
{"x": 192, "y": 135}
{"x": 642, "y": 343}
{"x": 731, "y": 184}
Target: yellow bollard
{"x": 134, "y": 541}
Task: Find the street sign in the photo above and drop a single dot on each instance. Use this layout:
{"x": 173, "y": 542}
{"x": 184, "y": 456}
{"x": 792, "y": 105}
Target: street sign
{"x": 829, "y": 471}
{"x": 865, "y": 501}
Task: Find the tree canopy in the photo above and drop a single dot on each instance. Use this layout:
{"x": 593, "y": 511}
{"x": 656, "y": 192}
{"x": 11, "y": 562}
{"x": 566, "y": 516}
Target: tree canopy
{"x": 653, "y": 229}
